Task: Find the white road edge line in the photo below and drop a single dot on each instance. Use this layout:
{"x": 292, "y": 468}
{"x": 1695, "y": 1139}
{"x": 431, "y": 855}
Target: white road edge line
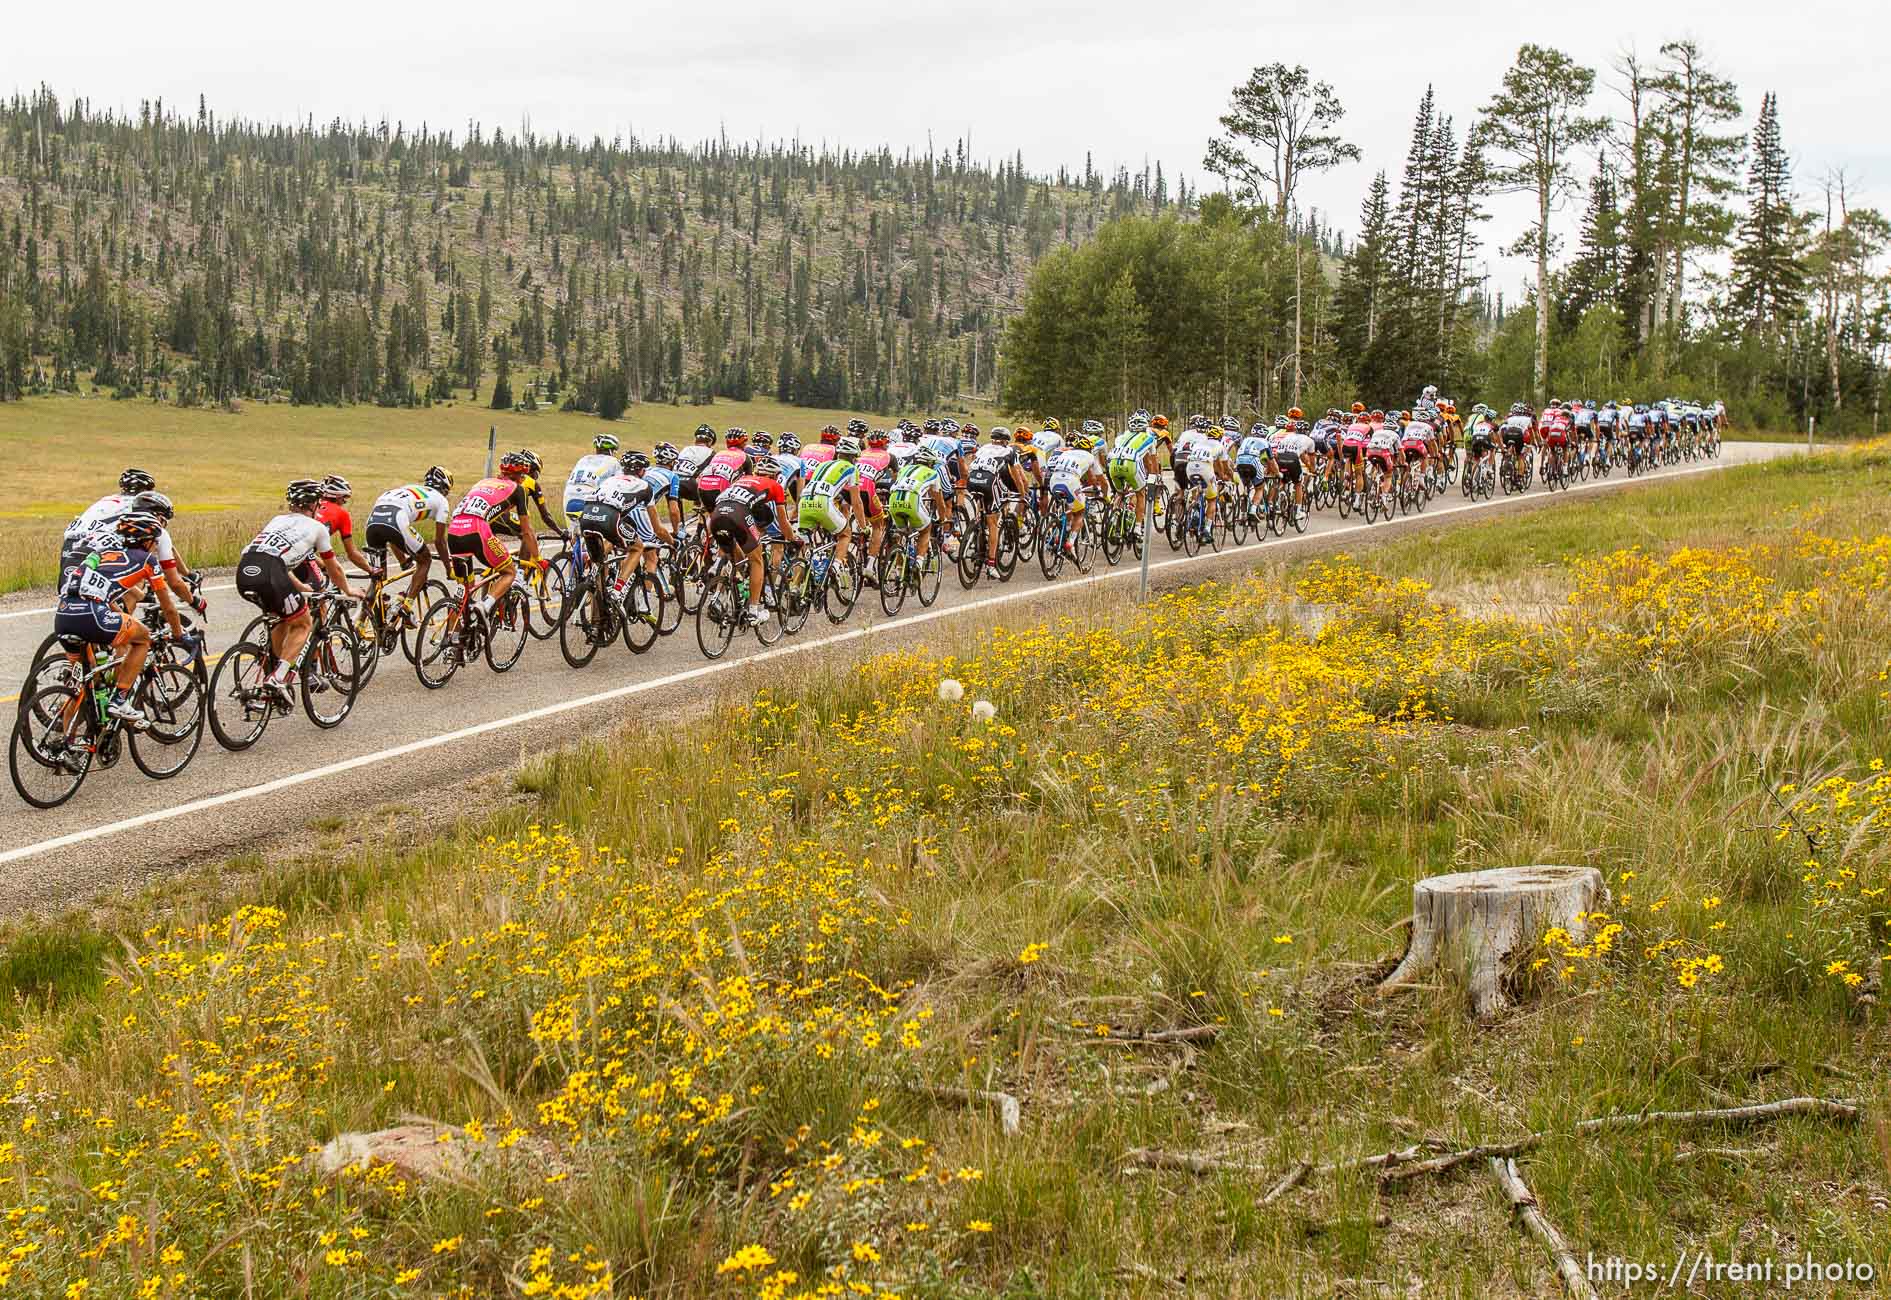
{"x": 730, "y": 665}
{"x": 48, "y": 609}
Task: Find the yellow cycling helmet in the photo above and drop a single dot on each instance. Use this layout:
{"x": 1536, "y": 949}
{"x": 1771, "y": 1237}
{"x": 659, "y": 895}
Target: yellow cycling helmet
{"x": 1051, "y": 425}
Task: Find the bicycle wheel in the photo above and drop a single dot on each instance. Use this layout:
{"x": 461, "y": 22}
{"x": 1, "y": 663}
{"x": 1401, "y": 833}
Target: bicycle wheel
{"x": 797, "y": 593}
{"x": 240, "y": 702}
{"x": 972, "y": 556}
{"x": 330, "y": 673}
{"x": 172, "y": 696}
{"x": 769, "y": 630}
{"x": 893, "y": 574}
{"x": 641, "y": 613}
{"x": 1050, "y": 555}
{"x": 1295, "y": 515}
{"x": 544, "y": 605}
{"x": 692, "y": 568}
{"x": 1237, "y": 513}
{"x": 369, "y": 621}
{"x": 716, "y": 615}
{"x": 1008, "y": 547}
{"x": 582, "y": 633}
{"x": 510, "y": 628}
{"x": 926, "y": 580}
{"x": 437, "y": 643}
{"x": 49, "y": 755}
{"x": 1087, "y": 539}
{"x": 843, "y": 586}
{"x": 1113, "y": 534}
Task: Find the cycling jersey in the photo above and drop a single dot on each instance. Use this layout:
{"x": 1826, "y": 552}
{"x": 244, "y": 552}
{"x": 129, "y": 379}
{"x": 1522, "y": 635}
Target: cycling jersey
{"x": 724, "y": 468}
{"x": 911, "y": 503}
{"x": 1133, "y": 444}
{"x": 100, "y": 516}
{"x": 619, "y": 509}
{"x": 394, "y": 519}
{"x": 582, "y": 483}
{"x": 89, "y": 593}
{"x": 876, "y": 469}
{"x": 990, "y": 467}
{"x": 664, "y": 483}
{"x": 792, "y": 467}
{"x": 820, "y": 453}
{"x": 487, "y": 502}
{"x": 691, "y": 459}
{"x": 824, "y": 502}
{"x": 334, "y": 516}
{"x": 1203, "y": 455}
{"x": 294, "y": 539}
{"x": 750, "y": 500}
{"x": 1070, "y": 469}
{"x": 1048, "y": 444}
{"x": 1252, "y": 450}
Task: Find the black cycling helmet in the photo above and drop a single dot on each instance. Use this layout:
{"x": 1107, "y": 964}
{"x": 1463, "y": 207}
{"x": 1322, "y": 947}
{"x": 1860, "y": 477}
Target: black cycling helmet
{"x": 438, "y": 479}
{"x": 634, "y": 462}
{"x": 664, "y": 453}
{"x": 762, "y": 440}
{"x": 134, "y": 481}
{"x": 857, "y": 426}
{"x": 705, "y": 435}
{"x": 788, "y": 444}
{"x": 155, "y": 503}
{"x": 303, "y": 493}
{"x": 139, "y": 528}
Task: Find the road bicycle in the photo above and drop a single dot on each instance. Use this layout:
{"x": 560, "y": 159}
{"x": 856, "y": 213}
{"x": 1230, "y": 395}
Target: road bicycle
{"x": 903, "y": 573}
{"x": 64, "y": 729}
{"x": 328, "y": 673}
{"x": 1122, "y": 528}
{"x": 384, "y": 621}
{"x": 456, "y": 629}
{"x": 980, "y": 552}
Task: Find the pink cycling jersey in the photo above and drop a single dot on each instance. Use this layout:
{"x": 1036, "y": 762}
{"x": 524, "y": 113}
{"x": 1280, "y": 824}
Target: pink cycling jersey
{"x": 724, "y": 468}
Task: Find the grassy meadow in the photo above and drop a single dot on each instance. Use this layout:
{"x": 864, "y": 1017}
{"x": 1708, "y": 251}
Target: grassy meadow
{"x": 690, "y": 1011}
{"x": 226, "y": 471}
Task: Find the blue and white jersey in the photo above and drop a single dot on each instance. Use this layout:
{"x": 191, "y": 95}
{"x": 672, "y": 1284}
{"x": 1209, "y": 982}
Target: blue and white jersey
{"x": 664, "y": 483}
{"x": 792, "y": 468}
{"x": 1253, "y": 450}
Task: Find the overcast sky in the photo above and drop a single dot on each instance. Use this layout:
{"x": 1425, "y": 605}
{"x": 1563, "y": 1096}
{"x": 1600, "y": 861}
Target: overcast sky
{"x": 1053, "y": 78}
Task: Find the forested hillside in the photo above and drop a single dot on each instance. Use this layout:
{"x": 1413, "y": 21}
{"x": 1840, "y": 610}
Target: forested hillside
{"x": 207, "y": 258}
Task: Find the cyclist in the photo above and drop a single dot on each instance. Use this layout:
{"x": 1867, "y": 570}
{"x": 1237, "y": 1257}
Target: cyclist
{"x": 1555, "y": 429}
{"x": 691, "y": 459}
{"x": 1415, "y": 443}
{"x": 994, "y": 473}
{"x": 618, "y": 516}
{"x": 1482, "y": 434}
{"x": 917, "y": 501}
{"x": 666, "y": 483}
{"x": 581, "y": 485}
{"x": 98, "y": 597}
{"x": 487, "y": 506}
{"x": 1049, "y": 440}
{"x": 333, "y": 515}
{"x": 1291, "y": 451}
{"x": 1382, "y": 447}
{"x": 1132, "y": 460}
{"x": 876, "y": 482}
{"x": 830, "y": 498}
{"x": 754, "y": 499}
{"x": 1582, "y": 418}
{"x": 822, "y": 451}
{"x": 1606, "y": 420}
{"x": 788, "y": 455}
{"x": 1352, "y": 446}
{"x": 1519, "y": 432}
{"x": 1208, "y": 465}
{"x": 944, "y": 444}
{"x": 901, "y": 445}
{"x": 724, "y": 468}
{"x": 1073, "y": 471}
{"x": 136, "y": 490}
{"x": 393, "y": 525}
{"x": 276, "y": 573}
{"x": 1251, "y": 459}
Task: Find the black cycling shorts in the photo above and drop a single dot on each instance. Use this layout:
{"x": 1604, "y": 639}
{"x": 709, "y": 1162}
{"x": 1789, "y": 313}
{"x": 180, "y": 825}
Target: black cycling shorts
{"x": 263, "y": 580}
{"x": 1289, "y": 462}
{"x": 381, "y": 536}
{"x": 734, "y": 530}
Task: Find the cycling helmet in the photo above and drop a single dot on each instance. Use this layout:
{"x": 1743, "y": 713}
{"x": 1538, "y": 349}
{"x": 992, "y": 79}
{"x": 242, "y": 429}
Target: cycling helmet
{"x": 762, "y": 440}
{"x": 926, "y": 456}
{"x": 513, "y": 464}
{"x": 1378, "y": 414}
{"x": 736, "y": 437}
{"x": 1093, "y": 427}
{"x": 139, "y": 528}
{"x": 1137, "y": 424}
{"x": 1301, "y": 426}
{"x": 336, "y": 488}
{"x": 1081, "y": 442}
{"x": 1000, "y": 434}
{"x": 906, "y": 425}
{"x": 788, "y": 444}
{"x": 303, "y": 493}
{"x": 932, "y": 425}
{"x": 1280, "y": 421}
{"x": 1518, "y": 408}
{"x": 664, "y": 453}
{"x": 829, "y": 434}
{"x": 1359, "y": 408}
{"x": 767, "y": 466}
{"x": 634, "y": 462}
{"x": 877, "y": 438}
{"x": 847, "y": 448}
{"x": 1431, "y": 391}
{"x": 1159, "y": 422}
{"x": 1022, "y": 433}
{"x": 857, "y": 427}
{"x": 1140, "y": 413}
{"x": 1295, "y": 413}
{"x": 969, "y": 431}
{"x": 705, "y": 435}
{"x": 604, "y": 442}
{"x": 1258, "y": 429}
{"x": 155, "y": 503}
{"x": 1198, "y": 422}
{"x": 438, "y": 479}
{"x": 949, "y": 426}
{"x": 1050, "y": 422}
{"x": 134, "y": 481}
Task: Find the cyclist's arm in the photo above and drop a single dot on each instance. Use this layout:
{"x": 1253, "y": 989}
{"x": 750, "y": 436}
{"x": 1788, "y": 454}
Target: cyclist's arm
{"x": 162, "y": 591}
{"x": 439, "y": 539}
{"x": 538, "y": 499}
{"x": 332, "y": 567}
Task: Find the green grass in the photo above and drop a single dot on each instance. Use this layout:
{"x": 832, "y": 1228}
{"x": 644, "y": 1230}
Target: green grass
{"x": 935, "y": 865}
{"x": 226, "y": 471}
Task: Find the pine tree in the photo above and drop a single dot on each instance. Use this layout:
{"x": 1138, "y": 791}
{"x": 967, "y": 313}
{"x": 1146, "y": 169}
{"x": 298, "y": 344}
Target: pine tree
{"x": 1363, "y": 278}
{"x": 1769, "y": 275}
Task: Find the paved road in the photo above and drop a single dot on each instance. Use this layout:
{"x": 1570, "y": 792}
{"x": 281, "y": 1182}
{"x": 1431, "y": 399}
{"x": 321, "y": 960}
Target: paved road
{"x": 405, "y": 743}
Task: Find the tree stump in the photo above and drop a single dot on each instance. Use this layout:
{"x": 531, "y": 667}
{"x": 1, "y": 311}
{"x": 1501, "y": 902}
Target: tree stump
{"x": 1473, "y": 921}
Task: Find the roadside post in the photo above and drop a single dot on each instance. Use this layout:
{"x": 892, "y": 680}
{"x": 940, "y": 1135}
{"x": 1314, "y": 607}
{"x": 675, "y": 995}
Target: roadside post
{"x": 492, "y": 446}
{"x": 1810, "y": 421}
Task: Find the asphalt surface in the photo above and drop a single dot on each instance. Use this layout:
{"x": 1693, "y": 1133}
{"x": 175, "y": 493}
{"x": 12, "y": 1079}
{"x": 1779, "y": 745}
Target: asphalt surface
{"x": 404, "y": 743}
